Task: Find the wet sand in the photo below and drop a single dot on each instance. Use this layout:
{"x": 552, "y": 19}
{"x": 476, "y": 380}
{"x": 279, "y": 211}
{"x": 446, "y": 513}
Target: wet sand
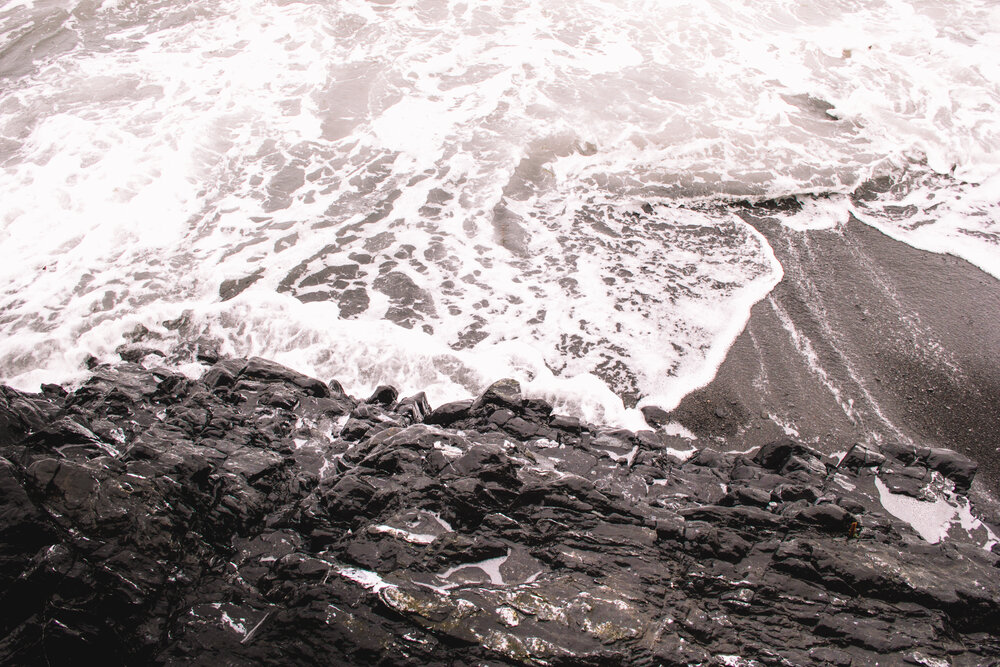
{"x": 865, "y": 338}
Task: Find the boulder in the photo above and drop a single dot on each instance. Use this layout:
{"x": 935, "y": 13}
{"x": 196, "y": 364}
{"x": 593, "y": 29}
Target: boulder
{"x": 449, "y": 413}
{"x": 655, "y": 416}
{"x": 383, "y": 395}
{"x": 774, "y": 455}
{"x": 269, "y": 371}
{"x": 414, "y": 408}
{"x": 504, "y": 393}
{"x": 862, "y": 456}
{"x": 956, "y": 467}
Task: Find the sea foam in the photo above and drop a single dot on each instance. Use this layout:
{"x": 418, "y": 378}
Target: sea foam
{"x": 437, "y": 194}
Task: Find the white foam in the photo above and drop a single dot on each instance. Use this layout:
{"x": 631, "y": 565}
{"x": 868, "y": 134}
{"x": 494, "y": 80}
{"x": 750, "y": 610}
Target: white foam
{"x": 490, "y": 566}
{"x": 528, "y": 156}
{"x": 366, "y": 578}
{"x": 415, "y": 126}
{"x": 405, "y": 535}
{"x": 678, "y": 429}
{"x": 11, "y": 5}
{"x": 944, "y": 216}
{"x": 935, "y": 519}
{"x": 815, "y": 213}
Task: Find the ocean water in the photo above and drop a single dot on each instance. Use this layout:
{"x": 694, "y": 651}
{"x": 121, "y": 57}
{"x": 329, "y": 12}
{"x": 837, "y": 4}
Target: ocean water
{"x": 436, "y": 194}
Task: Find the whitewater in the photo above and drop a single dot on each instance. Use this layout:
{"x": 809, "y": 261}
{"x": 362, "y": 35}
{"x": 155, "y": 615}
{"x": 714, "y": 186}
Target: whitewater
{"x": 437, "y": 194}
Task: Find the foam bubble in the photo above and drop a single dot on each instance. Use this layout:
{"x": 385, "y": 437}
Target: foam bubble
{"x": 436, "y": 196}
{"x": 415, "y": 126}
{"x": 938, "y": 214}
{"x": 827, "y": 212}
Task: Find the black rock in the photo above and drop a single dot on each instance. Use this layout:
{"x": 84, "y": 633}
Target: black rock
{"x": 383, "y": 395}
{"x": 537, "y": 407}
{"x": 233, "y": 287}
{"x": 449, "y": 413}
{"x": 54, "y": 391}
{"x": 710, "y": 458}
{"x": 776, "y": 454}
{"x": 258, "y": 516}
{"x": 832, "y": 518}
{"x": 501, "y": 394}
{"x": 268, "y": 371}
{"x": 218, "y": 376}
{"x": 566, "y": 423}
{"x": 861, "y": 456}
{"x": 415, "y": 408}
{"x": 960, "y": 469}
{"x": 521, "y": 428}
{"x": 21, "y": 414}
{"x": 654, "y": 416}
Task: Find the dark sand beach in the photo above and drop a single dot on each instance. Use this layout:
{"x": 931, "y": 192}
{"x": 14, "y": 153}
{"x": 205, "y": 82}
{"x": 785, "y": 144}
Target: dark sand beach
{"x": 865, "y": 338}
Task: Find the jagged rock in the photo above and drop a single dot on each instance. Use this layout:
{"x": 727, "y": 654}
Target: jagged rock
{"x": 655, "y": 416}
{"x": 383, "y": 395}
{"x": 268, "y": 371}
{"x": 135, "y": 352}
{"x": 537, "y": 407}
{"x": 415, "y": 408}
{"x": 20, "y": 415}
{"x": 709, "y": 458}
{"x": 954, "y": 466}
{"x": 521, "y": 428}
{"x": 259, "y": 516}
{"x": 566, "y": 423}
{"x": 747, "y": 495}
{"x": 449, "y": 413}
{"x": 775, "y": 455}
{"x": 233, "y": 287}
{"x": 861, "y": 456}
{"x": 501, "y": 394}
{"x": 218, "y": 376}
{"x": 910, "y": 480}
{"x": 832, "y": 518}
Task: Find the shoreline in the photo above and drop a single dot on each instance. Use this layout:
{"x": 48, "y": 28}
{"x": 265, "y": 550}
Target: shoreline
{"x": 864, "y": 339}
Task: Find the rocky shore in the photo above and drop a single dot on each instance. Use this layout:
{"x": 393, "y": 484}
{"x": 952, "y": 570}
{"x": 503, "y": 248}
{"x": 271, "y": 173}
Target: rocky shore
{"x": 257, "y": 515}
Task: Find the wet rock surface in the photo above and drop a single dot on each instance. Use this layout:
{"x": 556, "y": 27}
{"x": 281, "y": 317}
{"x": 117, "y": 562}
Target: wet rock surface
{"x": 257, "y": 515}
